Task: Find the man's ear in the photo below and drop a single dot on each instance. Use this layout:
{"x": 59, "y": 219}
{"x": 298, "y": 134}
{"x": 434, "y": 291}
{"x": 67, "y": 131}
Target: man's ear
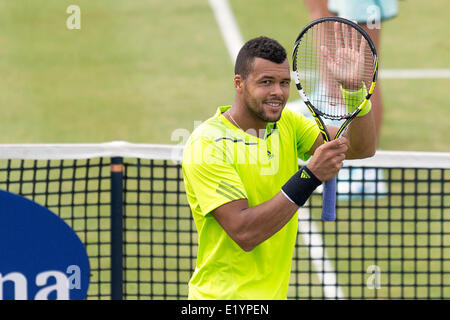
{"x": 238, "y": 82}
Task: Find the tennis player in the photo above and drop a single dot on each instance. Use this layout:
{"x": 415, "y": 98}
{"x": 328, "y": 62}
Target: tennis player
{"x": 243, "y": 182}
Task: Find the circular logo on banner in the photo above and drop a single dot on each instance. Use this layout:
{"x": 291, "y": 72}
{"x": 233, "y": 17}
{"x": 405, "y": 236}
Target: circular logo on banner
{"x": 41, "y": 257}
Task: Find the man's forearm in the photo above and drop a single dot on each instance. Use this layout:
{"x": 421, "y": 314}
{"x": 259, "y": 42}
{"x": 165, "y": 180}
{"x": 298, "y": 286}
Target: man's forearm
{"x": 266, "y": 219}
{"x": 362, "y": 137}
{"x": 361, "y": 132}
{"x": 250, "y": 226}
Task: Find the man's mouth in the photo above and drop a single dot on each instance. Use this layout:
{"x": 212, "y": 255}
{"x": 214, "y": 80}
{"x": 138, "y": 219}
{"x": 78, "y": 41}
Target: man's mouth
{"x": 274, "y": 104}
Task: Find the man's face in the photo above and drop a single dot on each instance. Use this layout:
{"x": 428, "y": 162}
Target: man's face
{"x": 266, "y": 89}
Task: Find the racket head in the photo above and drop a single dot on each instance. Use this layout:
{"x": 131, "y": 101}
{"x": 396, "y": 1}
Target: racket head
{"x": 331, "y": 54}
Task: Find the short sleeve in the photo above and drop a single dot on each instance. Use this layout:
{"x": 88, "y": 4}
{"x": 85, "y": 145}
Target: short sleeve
{"x": 210, "y": 180}
{"x": 306, "y": 132}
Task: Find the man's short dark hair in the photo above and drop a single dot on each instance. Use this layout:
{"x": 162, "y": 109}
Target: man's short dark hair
{"x": 261, "y": 47}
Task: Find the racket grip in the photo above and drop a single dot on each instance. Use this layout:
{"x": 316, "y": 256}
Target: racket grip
{"x": 329, "y": 200}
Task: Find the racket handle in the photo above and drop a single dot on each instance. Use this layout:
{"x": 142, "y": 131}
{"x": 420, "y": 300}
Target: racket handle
{"x": 329, "y": 200}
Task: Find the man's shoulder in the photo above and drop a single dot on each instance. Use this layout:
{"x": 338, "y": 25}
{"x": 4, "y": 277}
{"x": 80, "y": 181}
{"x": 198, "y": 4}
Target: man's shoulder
{"x": 208, "y": 131}
{"x": 293, "y": 121}
{"x": 290, "y": 116}
{"x": 203, "y": 140}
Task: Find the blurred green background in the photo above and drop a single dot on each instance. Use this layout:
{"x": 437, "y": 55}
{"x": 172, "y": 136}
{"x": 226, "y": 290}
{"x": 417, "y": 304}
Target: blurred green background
{"x": 140, "y": 70}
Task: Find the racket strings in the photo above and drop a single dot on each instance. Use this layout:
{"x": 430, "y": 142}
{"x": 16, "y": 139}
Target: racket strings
{"x": 331, "y": 56}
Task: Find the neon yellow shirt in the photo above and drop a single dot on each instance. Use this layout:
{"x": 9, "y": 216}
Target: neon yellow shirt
{"x": 222, "y": 163}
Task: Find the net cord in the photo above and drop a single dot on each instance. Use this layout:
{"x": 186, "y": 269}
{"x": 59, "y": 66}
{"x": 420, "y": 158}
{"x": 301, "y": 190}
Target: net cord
{"x": 382, "y": 159}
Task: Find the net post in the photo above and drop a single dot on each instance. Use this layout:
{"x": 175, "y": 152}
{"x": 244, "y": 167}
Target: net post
{"x": 116, "y": 228}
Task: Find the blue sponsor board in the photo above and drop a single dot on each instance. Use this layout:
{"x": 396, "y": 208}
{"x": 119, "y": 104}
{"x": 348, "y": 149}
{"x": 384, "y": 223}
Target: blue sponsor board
{"x": 41, "y": 257}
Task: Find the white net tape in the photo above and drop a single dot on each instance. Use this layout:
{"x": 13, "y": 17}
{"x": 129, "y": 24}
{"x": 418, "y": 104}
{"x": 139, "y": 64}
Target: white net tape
{"x": 382, "y": 159}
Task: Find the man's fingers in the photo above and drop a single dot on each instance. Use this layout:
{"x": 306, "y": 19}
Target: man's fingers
{"x": 345, "y": 35}
{"x": 338, "y": 36}
{"x": 324, "y": 51}
{"x": 362, "y": 46}
{"x": 329, "y": 158}
{"x": 338, "y": 142}
{"x": 354, "y": 39}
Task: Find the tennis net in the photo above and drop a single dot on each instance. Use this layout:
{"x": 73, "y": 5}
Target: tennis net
{"x": 127, "y": 204}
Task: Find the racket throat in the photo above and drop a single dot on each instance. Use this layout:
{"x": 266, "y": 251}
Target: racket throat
{"x": 322, "y": 127}
{"x": 343, "y": 127}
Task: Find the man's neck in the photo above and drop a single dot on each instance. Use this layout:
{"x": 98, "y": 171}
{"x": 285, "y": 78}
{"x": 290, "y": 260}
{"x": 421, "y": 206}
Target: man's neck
{"x": 245, "y": 120}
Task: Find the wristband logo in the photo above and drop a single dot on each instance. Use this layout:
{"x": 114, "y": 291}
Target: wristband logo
{"x": 41, "y": 257}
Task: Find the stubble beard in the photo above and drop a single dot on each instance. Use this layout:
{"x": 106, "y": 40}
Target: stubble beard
{"x": 257, "y": 109}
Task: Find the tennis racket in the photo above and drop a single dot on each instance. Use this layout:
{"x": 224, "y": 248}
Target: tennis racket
{"x": 335, "y": 70}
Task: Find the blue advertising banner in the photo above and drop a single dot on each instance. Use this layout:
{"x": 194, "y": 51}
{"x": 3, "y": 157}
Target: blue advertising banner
{"x": 41, "y": 257}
